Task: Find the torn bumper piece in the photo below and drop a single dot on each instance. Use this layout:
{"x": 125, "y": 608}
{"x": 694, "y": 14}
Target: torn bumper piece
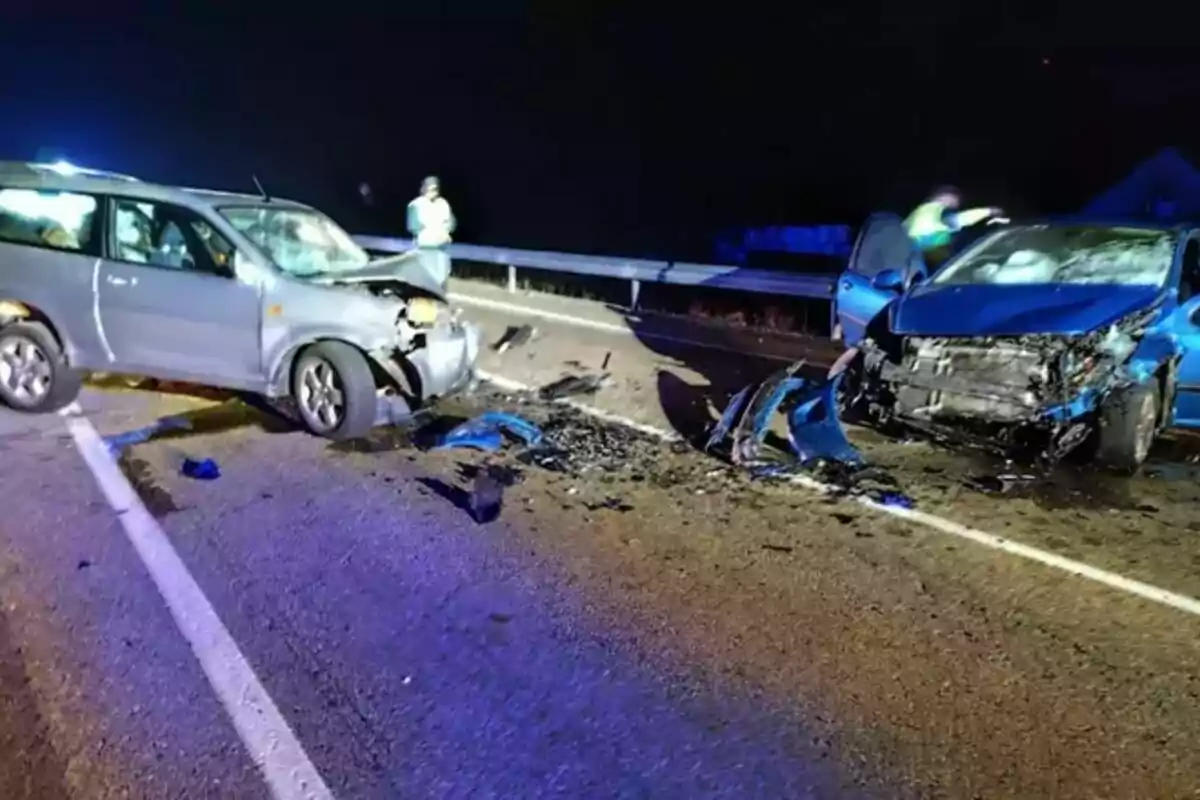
{"x": 814, "y": 431}
{"x": 486, "y": 432}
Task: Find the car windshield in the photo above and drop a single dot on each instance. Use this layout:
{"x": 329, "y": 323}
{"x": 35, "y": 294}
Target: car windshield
{"x": 1079, "y": 254}
{"x": 300, "y": 241}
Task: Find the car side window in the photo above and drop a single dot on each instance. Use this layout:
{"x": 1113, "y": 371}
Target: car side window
{"x": 167, "y": 236}
{"x": 48, "y": 219}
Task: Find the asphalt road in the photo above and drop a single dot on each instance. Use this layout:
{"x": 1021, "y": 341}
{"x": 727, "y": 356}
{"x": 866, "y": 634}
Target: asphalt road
{"x": 654, "y": 625}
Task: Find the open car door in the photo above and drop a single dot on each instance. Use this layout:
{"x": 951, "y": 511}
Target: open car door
{"x": 882, "y": 244}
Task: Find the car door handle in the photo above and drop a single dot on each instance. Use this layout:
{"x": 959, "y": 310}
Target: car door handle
{"x": 118, "y": 281}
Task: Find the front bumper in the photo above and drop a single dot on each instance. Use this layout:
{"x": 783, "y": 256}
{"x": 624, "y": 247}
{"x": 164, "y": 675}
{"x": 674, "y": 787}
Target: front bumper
{"x": 442, "y": 363}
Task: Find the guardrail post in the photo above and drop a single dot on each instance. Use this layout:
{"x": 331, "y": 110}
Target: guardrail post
{"x": 512, "y": 279}
{"x": 635, "y": 288}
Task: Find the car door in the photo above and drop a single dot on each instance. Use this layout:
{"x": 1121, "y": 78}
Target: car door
{"x": 1185, "y": 325}
{"x": 168, "y": 300}
{"x": 49, "y": 249}
{"x": 883, "y": 243}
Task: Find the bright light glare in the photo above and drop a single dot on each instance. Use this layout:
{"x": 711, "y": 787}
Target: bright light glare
{"x": 64, "y": 168}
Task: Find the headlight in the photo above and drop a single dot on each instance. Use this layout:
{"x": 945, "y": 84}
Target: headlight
{"x": 422, "y": 311}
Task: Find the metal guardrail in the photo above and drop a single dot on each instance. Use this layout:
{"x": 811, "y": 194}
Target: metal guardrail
{"x": 635, "y": 271}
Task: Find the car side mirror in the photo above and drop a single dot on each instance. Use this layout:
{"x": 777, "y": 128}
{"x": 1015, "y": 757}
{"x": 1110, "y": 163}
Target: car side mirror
{"x": 888, "y": 280}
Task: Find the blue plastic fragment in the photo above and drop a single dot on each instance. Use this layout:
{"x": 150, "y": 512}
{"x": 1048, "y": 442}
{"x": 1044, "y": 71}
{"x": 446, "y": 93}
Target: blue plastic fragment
{"x": 486, "y": 432}
{"x": 728, "y": 418}
{"x": 118, "y": 442}
{"x": 895, "y": 499}
{"x": 202, "y": 470}
{"x": 814, "y": 430}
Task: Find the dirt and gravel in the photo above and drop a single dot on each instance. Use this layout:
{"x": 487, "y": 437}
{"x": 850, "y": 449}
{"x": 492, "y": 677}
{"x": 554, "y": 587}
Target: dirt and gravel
{"x": 920, "y": 665}
{"x": 908, "y": 662}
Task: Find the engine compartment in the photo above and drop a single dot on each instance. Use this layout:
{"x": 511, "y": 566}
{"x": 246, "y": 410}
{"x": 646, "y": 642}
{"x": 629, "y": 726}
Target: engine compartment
{"x": 1001, "y": 389}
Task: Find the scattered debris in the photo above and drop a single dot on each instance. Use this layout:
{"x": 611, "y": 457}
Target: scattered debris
{"x": 819, "y": 445}
{"x": 778, "y": 548}
{"x": 487, "y": 494}
{"x": 1003, "y": 483}
{"x": 202, "y": 470}
{"x": 486, "y": 432}
{"x": 515, "y": 336}
{"x": 610, "y": 503}
{"x": 120, "y": 441}
{"x": 573, "y": 386}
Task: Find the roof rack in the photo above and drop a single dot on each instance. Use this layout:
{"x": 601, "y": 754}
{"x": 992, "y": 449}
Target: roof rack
{"x": 67, "y": 170}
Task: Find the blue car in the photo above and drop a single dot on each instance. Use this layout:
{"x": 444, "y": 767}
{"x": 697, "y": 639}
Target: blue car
{"x": 1077, "y": 330}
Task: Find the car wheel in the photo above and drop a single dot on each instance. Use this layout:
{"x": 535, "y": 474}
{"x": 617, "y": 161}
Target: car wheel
{"x": 334, "y": 391}
{"x": 34, "y": 375}
{"x": 1128, "y": 425}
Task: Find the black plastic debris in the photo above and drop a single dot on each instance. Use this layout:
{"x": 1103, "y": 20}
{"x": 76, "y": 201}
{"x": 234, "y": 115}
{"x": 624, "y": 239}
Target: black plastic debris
{"x": 514, "y": 336}
{"x": 487, "y": 494}
{"x": 573, "y": 386}
{"x": 611, "y": 504}
{"x": 576, "y": 443}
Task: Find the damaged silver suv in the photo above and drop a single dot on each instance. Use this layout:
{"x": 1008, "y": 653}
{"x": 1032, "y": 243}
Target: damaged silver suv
{"x": 102, "y": 272}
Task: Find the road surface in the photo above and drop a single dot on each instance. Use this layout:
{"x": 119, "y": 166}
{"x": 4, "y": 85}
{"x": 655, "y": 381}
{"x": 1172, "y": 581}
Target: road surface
{"x": 656, "y": 625}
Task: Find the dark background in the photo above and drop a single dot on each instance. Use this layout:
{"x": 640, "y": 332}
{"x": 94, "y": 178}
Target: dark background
{"x": 624, "y": 128}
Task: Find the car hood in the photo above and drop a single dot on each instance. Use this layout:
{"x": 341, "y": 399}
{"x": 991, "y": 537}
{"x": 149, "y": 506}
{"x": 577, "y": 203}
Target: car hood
{"x": 403, "y": 268}
{"x": 990, "y": 310}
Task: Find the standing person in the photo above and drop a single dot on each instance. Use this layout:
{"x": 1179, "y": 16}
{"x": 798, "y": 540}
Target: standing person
{"x": 430, "y": 221}
{"x": 932, "y": 225}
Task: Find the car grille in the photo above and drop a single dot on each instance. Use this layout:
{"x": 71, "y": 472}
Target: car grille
{"x": 997, "y": 379}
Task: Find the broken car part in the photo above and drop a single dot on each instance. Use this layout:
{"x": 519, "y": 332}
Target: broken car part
{"x": 573, "y": 386}
{"x": 486, "y": 432}
{"x": 515, "y": 336}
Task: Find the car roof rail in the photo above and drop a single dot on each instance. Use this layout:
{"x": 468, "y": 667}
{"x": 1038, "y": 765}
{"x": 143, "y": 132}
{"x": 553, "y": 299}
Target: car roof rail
{"x": 65, "y": 169}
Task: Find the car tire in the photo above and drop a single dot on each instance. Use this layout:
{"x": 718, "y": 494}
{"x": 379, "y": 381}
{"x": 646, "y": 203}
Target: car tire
{"x": 1128, "y": 427}
{"x": 35, "y": 377}
{"x": 333, "y": 389}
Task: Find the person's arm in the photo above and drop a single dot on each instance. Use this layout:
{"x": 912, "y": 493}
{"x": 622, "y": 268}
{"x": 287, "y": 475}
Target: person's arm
{"x": 972, "y": 216}
{"x": 451, "y": 220}
{"x": 414, "y": 219}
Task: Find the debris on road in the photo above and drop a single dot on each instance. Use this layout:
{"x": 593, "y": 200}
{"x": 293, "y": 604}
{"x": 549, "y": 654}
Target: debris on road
{"x": 487, "y": 431}
{"x": 487, "y": 495}
{"x": 204, "y": 469}
{"x": 121, "y": 441}
{"x": 814, "y": 431}
{"x": 573, "y": 386}
{"x": 820, "y": 448}
{"x": 515, "y": 336}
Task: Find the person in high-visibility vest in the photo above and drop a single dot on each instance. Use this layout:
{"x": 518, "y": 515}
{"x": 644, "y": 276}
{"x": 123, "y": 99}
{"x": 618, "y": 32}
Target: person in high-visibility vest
{"x": 932, "y": 224}
{"x": 431, "y": 222}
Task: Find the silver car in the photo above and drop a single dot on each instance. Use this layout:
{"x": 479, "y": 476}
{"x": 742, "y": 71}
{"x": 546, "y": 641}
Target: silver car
{"x": 102, "y": 272}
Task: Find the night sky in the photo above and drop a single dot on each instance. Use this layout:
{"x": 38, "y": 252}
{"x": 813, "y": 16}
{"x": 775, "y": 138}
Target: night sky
{"x": 629, "y": 130}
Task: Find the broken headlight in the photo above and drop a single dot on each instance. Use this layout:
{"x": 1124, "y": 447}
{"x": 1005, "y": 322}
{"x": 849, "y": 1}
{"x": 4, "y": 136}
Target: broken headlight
{"x": 422, "y": 312}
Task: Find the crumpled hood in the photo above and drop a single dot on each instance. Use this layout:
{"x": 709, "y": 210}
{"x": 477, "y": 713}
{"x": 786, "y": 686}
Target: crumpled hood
{"x": 1017, "y": 310}
{"x": 405, "y": 268}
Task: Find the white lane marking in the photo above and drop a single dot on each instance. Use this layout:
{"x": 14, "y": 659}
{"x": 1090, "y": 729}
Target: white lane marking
{"x": 1112, "y": 580}
{"x": 607, "y": 327}
{"x": 516, "y": 386}
{"x": 289, "y": 773}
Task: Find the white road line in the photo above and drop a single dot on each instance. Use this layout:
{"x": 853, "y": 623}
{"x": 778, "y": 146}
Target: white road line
{"x": 606, "y": 327}
{"x": 1112, "y": 580}
{"x": 289, "y": 773}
